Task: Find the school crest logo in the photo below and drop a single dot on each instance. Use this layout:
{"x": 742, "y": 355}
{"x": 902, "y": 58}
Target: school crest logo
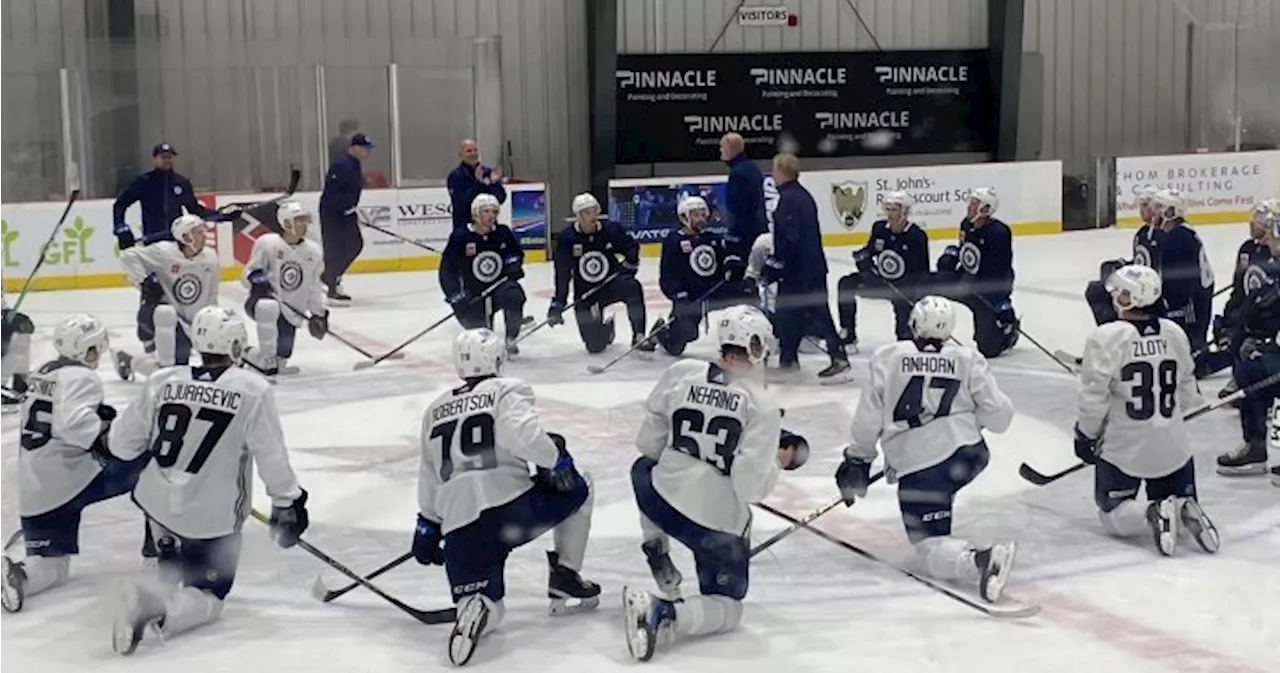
{"x": 849, "y": 201}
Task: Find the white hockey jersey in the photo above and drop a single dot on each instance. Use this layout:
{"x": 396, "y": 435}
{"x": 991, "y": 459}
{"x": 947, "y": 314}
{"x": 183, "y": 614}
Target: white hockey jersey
{"x": 205, "y": 428}
{"x": 715, "y": 437}
{"x": 190, "y": 284}
{"x": 477, "y": 443}
{"x": 923, "y": 405}
{"x": 59, "y": 424}
{"x": 1136, "y": 382}
{"x": 292, "y": 270}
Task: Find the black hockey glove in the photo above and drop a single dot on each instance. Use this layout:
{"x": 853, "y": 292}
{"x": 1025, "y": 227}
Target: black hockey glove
{"x": 864, "y": 259}
{"x": 949, "y": 260}
{"x": 259, "y": 284}
{"x": 318, "y": 325}
{"x": 124, "y": 236}
{"x": 426, "y": 543}
{"x": 106, "y": 412}
{"x": 772, "y": 271}
{"x": 1109, "y": 267}
{"x": 628, "y": 269}
{"x": 1087, "y": 448}
{"x": 564, "y": 476}
{"x": 800, "y": 446}
{"x": 513, "y": 269}
{"x": 152, "y": 293}
{"x": 555, "y": 314}
{"x": 735, "y": 268}
{"x": 852, "y": 478}
{"x": 289, "y": 523}
{"x": 456, "y": 298}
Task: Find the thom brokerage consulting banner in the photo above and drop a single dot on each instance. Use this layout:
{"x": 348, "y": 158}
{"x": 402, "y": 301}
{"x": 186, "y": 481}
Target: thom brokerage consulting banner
{"x": 675, "y": 107}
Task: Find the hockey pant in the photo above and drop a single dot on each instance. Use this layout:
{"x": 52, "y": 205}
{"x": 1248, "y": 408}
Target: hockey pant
{"x": 54, "y": 536}
{"x": 926, "y": 499}
{"x": 508, "y": 298}
{"x": 162, "y": 335}
{"x": 596, "y": 335}
{"x": 276, "y": 334}
{"x": 994, "y": 332}
{"x": 1115, "y": 494}
{"x": 803, "y": 308}
{"x": 1255, "y": 406}
{"x": 722, "y": 560}
{"x": 871, "y": 286}
{"x": 16, "y": 361}
{"x": 475, "y": 555}
{"x": 195, "y": 576}
{"x": 343, "y": 243}
{"x": 686, "y": 316}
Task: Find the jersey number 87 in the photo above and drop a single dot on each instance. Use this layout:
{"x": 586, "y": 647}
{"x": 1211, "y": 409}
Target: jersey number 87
{"x": 475, "y": 435}
{"x": 724, "y": 431}
{"x": 172, "y": 424}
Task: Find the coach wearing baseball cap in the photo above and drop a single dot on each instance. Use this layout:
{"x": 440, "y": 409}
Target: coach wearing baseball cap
{"x": 162, "y": 194}
{"x": 339, "y": 219}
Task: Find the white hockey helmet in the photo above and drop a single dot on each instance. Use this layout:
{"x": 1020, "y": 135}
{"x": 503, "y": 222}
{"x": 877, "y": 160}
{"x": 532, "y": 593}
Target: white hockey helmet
{"x": 479, "y": 352}
{"x": 933, "y": 317}
{"x": 1139, "y": 286}
{"x": 483, "y": 201}
{"x": 184, "y": 225}
{"x": 688, "y": 205}
{"x": 584, "y": 201}
{"x": 290, "y": 213}
{"x": 899, "y": 198}
{"x": 1170, "y": 203}
{"x": 986, "y": 197}
{"x": 74, "y": 337}
{"x": 218, "y": 331}
{"x": 747, "y": 327}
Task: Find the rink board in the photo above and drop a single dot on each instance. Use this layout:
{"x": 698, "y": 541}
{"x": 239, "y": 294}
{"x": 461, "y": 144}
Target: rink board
{"x": 1220, "y": 188}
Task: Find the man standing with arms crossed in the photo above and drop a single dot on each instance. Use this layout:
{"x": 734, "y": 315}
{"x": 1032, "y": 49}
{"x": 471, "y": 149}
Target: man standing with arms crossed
{"x": 339, "y": 218}
{"x": 471, "y": 179}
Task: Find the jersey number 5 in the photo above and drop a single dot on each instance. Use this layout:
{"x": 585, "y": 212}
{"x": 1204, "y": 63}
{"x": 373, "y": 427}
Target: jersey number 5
{"x": 476, "y": 441}
{"x": 172, "y": 424}
{"x": 726, "y": 431}
{"x": 36, "y": 433}
{"x": 912, "y": 407}
{"x": 1153, "y": 388}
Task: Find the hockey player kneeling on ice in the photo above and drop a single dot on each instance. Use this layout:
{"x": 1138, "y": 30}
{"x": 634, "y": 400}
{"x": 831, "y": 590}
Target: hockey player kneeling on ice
{"x": 478, "y": 256}
{"x": 699, "y": 273}
{"x": 475, "y": 495}
{"x": 927, "y": 403}
{"x": 979, "y": 274}
{"x": 283, "y": 272}
{"x": 16, "y": 362}
{"x": 64, "y": 465}
{"x": 1137, "y": 379}
{"x": 1144, "y": 240}
{"x": 1251, "y": 262}
{"x": 177, "y": 278}
{"x": 710, "y": 445}
{"x": 205, "y": 428}
{"x": 890, "y": 266}
{"x": 588, "y": 253}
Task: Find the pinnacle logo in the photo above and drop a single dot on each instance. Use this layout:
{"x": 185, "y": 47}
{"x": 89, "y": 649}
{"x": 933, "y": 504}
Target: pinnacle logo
{"x": 717, "y": 124}
{"x": 666, "y": 79}
{"x": 862, "y": 121}
{"x": 799, "y": 76}
{"x": 922, "y": 74}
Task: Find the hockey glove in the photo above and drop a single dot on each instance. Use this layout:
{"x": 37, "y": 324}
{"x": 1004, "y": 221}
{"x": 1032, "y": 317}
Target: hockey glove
{"x": 1087, "y": 448}
{"x": 124, "y": 236}
{"x": 555, "y": 314}
{"x": 318, "y": 325}
{"x": 1109, "y": 267}
{"x": 289, "y": 523}
{"x": 426, "y": 543}
{"x": 564, "y": 476}
{"x": 734, "y": 268}
{"x": 772, "y": 271}
{"x": 852, "y": 478}
{"x": 628, "y": 268}
{"x": 152, "y": 293}
{"x": 949, "y": 260}
{"x": 864, "y": 259}
{"x": 513, "y": 269}
{"x": 799, "y": 446}
{"x": 259, "y": 285}
{"x": 456, "y": 298}
{"x": 106, "y": 412}
{"x": 1222, "y": 330}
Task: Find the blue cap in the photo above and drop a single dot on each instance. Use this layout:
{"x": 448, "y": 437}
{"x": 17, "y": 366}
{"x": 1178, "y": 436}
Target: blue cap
{"x": 362, "y": 140}
{"x": 163, "y": 148}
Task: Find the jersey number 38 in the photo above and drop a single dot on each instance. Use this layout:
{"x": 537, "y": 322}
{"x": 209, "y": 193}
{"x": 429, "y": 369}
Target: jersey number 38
{"x": 691, "y": 433}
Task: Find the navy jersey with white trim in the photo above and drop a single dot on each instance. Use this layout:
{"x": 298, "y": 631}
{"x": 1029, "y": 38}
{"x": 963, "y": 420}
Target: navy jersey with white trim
{"x": 901, "y": 258}
{"x": 588, "y": 259}
{"x": 474, "y": 261}
{"x": 692, "y": 264}
{"x": 986, "y": 255}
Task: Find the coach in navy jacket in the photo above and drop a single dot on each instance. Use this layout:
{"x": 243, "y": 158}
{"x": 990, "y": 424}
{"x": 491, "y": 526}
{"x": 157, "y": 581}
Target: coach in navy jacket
{"x": 471, "y": 179}
{"x": 744, "y": 195}
{"x": 163, "y": 194}
{"x": 339, "y": 215}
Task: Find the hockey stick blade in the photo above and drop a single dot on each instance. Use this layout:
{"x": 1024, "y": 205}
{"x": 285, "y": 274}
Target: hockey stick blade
{"x": 324, "y": 594}
{"x": 1039, "y": 479}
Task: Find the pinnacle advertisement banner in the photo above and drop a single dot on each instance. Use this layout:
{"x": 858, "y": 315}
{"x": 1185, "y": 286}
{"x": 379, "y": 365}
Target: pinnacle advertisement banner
{"x": 675, "y": 107}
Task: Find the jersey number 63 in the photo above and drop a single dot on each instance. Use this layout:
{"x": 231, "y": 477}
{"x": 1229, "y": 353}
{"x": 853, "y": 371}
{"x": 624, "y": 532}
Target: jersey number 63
{"x": 691, "y": 432}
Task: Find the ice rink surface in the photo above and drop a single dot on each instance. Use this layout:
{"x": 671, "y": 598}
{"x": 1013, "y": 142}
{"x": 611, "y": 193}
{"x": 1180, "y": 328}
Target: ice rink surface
{"x": 813, "y": 606}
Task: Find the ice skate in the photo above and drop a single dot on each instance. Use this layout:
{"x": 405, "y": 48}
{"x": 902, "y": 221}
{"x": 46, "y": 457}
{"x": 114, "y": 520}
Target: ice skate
{"x": 13, "y": 585}
{"x": 642, "y": 344}
{"x": 994, "y": 565}
{"x": 1250, "y": 458}
{"x": 564, "y": 585}
{"x": 283, "y": 368}
{"x": 839, "y": 371}
{"x": 473, "y": 617}
{"x": 512, "y": 347}
{"x": 337, "y": 296}
{"x": 664, "y": 571}
{"x": 124, "y": 366}
{"x": 1275, "y": 475}
{"x": 1163, "y": 517}
{"x": 140, "y": 609}
{"x": 648, "y": 621}
{"x": 1198, "y": 525}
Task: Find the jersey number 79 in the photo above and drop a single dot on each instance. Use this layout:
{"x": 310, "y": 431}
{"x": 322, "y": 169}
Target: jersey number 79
{"x": 475, "y": 435}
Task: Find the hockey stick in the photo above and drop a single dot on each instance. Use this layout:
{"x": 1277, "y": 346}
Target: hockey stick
{"x": 342, "y": 340}
{"x": 441, "y": 616}
{"x": 369, "y": 363}
{"x": 585, "y": 296}
{"x": 26, "y": 284}
{"x": 295, "y": 176}
{"x": 600, "y": 369}
{"x": 804, "y": 522}
{"x": 1040, "y": 479}
{"x": 406, "y": 239}
{"x": 324, "y": 594}
{"x": 1018, "y": 326}
{"x": 991, "y": 610}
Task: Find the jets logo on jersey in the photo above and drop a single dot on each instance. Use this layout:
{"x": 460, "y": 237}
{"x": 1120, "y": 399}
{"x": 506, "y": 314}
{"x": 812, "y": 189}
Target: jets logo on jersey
{"x": 703, "y": 260}
{"x": 891, "y": 265}
{"x": 1254, "y": 278}
{"x": 486, "y": 266}
{"x": 970, "y": 258}
{"x": 187, "y": 289}
{"x": 593, "y": 266}
{"x": 1141, "y": 255}
{"x": 290, "y": 276}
